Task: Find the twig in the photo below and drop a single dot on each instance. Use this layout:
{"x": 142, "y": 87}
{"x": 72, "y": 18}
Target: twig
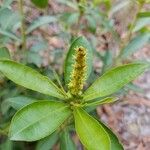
{"x": 23, "y": 33}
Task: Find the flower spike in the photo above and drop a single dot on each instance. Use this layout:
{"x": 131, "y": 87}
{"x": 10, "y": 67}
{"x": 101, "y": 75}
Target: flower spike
{"x": 78, "y": 75}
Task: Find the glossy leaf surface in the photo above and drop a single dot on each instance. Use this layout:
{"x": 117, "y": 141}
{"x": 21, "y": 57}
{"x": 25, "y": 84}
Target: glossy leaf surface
{"x": 102, "y": 101}
{"x": 115, "y": 143}
{"x": 38, "y": 120}
{"x": 29, "y": 78}
{"x": 90, "y": 131}
{"x": 113, "y": 80}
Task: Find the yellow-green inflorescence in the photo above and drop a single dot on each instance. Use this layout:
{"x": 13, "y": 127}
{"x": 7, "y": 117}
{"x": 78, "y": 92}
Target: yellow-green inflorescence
{"x": 78, "y": 75}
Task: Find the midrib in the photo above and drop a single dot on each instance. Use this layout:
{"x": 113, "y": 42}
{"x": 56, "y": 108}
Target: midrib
{"x": 40, "y": 119}
{"x": 86, "y": 128}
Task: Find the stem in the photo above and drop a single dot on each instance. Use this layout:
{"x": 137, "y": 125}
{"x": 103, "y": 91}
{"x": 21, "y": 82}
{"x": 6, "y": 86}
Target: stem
{"x": 4, "y": 132}
{"x": 23, "y": 33}
{"x": 140, "y": 6}
{"x": 129, "y": 35}
{"x": 59, "y": 82}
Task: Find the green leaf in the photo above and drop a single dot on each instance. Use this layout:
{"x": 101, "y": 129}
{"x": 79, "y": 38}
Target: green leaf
{"x": 40, "y": 22}
{"x": 66, "y": 142}
{"x": 119, "y": 6}
{"x": 107, "y": 60}
{"x": 10, "y": 35}
{"x": 81, "y": 41}
{"x": 141, "y": 23}
{"x": 114, "y": 80}
{"x": 6, "y": 3}
{"x": 70, "y": 18}
{"x": 4, "y": 53}
{"x": 134, "y": 88}
{"x": 38, "y": 120}
{"x": 40, "y": 45}
{"x": 135, "y": 44}
{"x": 35, "y": 58}
{"x": 90, "y": 131}
{"x": 7, "y": 145}
{"x": 115, "y": 143}
{"x": 48, "y": 142}
{"x": 40, "y": 3}
{"x": 16, "y": 102}
{"x": 11, "y": 19}
{"x": 91, "y": 23}
{"x": 102, "y": 101}
{"x": 29, "y": 78}
{"x": 72, "y": 4}
{"x": 143, "y": 14}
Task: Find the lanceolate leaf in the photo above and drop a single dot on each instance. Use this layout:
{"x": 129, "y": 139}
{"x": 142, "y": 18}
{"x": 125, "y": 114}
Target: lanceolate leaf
{"x": 72, "y": 4}
{"x": 41, "y": 21}
{"x": 136, "y": 44}
{"x": 120, "y": 6}
{"x": 113, "y": 80}
{"x": 38, "y": 120}
{"x": 102, "y": 101}
{"x": 19, "y": 101}
{"x": 81, "y": 41}
{"x": 141, "y": 23}
{"x": 40, "y": 3}
{"x": 16, "y": 102}
{"x": 10, "y": 35}
{"x": 29, "y": 78}
{"x": 115, "y": 143}
{"x": 4, "y": 53}
{"x": 91, "y": 133}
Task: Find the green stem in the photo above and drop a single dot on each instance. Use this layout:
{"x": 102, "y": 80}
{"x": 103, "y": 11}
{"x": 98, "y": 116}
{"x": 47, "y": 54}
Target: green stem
{"x": 4, "y": 132}
{"x": 59, "y": 82}
{"x": 23, "y": 33}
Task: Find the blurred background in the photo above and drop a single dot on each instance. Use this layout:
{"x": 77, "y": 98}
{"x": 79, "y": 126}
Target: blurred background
{"x": 38, "y": 34}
